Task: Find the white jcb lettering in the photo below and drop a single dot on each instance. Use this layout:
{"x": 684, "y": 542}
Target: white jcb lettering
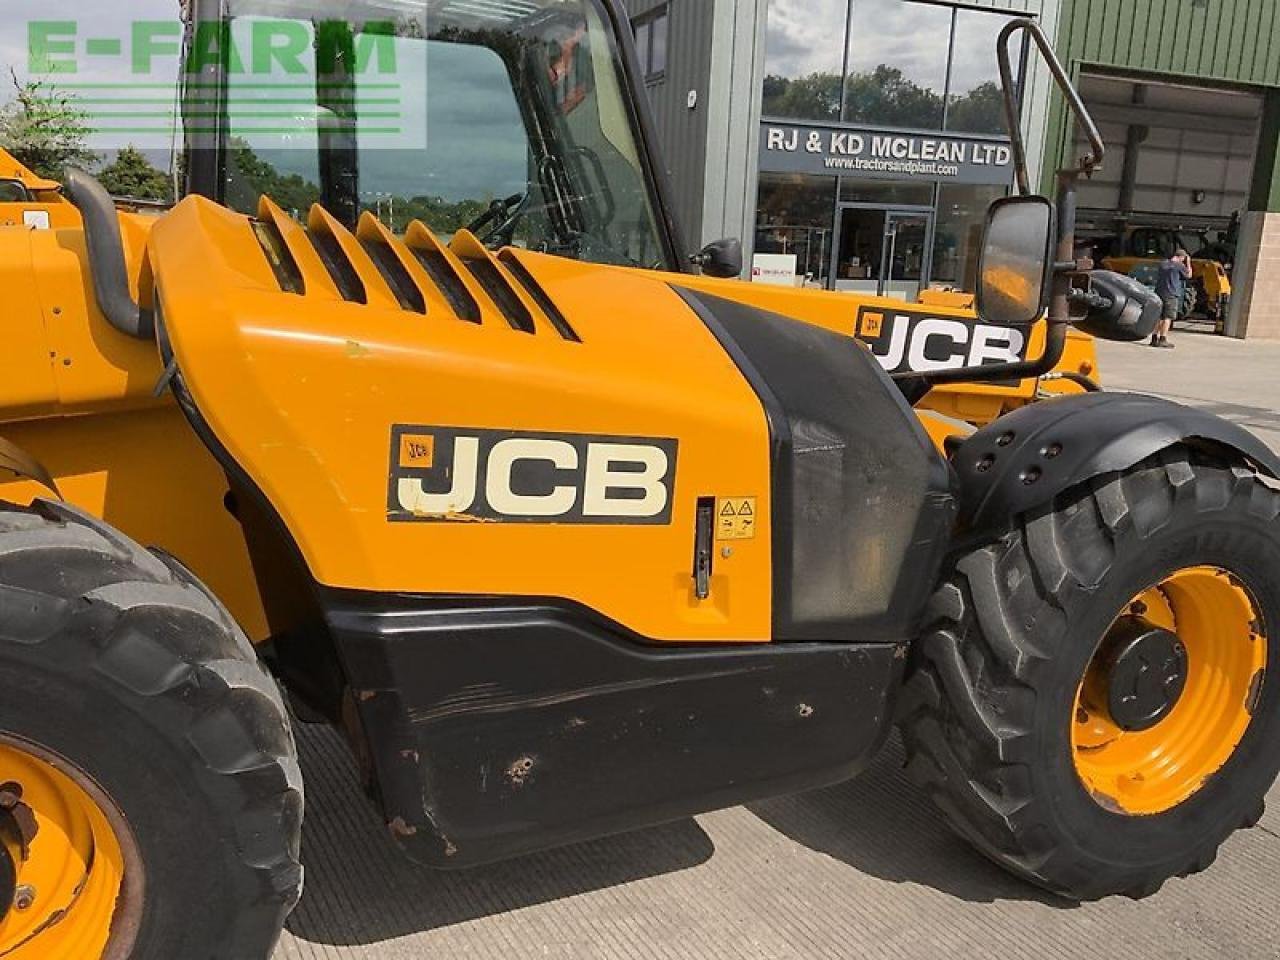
{"x": 502, "y": 460}
{"x": 603, "y": 479}
{"x": 952, "y": 330}
{"x": 996, "y": 345}
{"x": 897, "y": 345}
{"x": 461, "y": 494}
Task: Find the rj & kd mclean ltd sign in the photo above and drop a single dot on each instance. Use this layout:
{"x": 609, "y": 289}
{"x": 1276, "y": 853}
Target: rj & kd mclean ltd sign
{"x": 883, "y": 155}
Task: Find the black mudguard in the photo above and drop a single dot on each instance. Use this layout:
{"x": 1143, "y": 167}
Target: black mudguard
{"x": 1030, "y": 456}
{"x": 499, "y": 727}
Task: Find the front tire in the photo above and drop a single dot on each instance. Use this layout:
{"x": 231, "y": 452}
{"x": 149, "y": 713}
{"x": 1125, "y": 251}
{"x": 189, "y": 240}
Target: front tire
{"x": 1008, "y": 725}
{"x": 149, "y": 786}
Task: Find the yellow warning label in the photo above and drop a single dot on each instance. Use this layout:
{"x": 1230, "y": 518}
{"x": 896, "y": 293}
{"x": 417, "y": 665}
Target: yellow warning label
{"x": 417, "y": 450}
{"x": 736, "y": 518}
{"x": 872, "y": 324}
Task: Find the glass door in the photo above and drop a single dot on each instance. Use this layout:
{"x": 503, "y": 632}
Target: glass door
{"x": 881, "y": 251}
{"x": 859, "y": 250}
{"x": 906, "y": 250}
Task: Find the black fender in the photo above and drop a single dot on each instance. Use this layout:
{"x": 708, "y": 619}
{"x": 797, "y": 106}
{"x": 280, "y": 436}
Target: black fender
{"x": 1028, "y": 457}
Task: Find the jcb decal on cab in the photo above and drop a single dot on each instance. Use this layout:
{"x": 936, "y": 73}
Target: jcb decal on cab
{"x": 908, "y": 342}
{"x": 450, "y": 473}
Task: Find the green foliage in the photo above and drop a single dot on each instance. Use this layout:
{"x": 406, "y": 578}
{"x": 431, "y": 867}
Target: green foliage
{"x": 252, "y": 177}
{"x": 45, "y": 130}
{"x": 132, "y": 175}
{"x": 885, "y": 96}
{"x": 814, "y": 97}
{"x": 440, "y": 215}
{"x": 882, "y": 96}
{"x": 981, "y": 110}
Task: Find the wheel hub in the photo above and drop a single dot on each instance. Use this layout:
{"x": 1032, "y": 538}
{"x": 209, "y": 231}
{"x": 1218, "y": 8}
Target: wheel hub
{"x": 1144, "y": 671}
{"x": 1170, "y": 692}
{"x": 8, "y": 872}
{"x": 18, "y": 828}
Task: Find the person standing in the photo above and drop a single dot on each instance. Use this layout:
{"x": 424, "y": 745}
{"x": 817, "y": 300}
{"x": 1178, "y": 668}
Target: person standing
{"x": 1171, "y": 288}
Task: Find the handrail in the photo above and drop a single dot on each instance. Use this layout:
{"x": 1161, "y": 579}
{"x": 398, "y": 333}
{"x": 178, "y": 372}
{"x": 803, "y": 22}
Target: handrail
{"x": 1090, "y": 162}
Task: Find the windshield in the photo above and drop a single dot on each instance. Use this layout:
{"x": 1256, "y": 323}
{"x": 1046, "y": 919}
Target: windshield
{"x": 506, "y": 117}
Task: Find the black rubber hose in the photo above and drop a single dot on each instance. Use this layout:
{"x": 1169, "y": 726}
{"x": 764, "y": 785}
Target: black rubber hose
{"x": 106, "y": 256}
{"x": 1088, "y": 383}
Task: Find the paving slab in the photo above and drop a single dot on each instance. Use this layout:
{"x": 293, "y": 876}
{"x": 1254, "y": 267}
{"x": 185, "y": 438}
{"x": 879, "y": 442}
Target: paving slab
{"x": 866, "y": 869}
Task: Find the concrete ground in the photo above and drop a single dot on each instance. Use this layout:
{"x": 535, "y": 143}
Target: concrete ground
{"x": 866, "y": 869}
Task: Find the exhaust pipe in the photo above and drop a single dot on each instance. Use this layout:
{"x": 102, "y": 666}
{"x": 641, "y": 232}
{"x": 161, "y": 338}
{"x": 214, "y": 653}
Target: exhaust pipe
{"x": 106, "y": 256}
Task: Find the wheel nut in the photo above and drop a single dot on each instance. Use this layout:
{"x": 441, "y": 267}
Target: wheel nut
{"x": 24, "y": 897}
{"x": 10, "y": 795}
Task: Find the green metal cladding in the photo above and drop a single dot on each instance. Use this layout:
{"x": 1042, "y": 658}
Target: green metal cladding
{"x": 1214, "y": 41}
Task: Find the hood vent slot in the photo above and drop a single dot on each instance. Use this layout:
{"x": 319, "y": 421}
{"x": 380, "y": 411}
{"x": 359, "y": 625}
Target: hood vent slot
{"x": 344, "y": 275}
{"x": 505, "y": 299}
{"x": 402, "y": 286}
{"x": 442, "y": 274}
{"x": 539, "y": 296}
{"x": 278, "y": 255}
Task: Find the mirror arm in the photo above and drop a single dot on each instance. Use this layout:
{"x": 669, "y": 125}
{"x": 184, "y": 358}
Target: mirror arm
{"x": 1088, "y": 163}
{"x": 1066, "y": 270}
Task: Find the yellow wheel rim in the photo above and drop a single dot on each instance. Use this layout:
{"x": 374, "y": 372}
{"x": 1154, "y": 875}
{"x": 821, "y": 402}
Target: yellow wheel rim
{"x": 71, "y": 890}
{"x": 1222, "y": 647}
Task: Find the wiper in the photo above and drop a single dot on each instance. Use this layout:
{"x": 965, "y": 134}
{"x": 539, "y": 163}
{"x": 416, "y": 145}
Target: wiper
{"x": 562, "y": 209}
{"x": 508, "y": 213}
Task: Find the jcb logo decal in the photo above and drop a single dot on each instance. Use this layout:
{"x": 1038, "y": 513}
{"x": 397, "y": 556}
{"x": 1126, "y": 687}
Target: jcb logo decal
{"x": 447, "y": 473}
{"x": 908, "y": 342}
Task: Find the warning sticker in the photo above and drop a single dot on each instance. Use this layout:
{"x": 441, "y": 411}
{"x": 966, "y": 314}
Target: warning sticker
{"x": 736, "y": 518}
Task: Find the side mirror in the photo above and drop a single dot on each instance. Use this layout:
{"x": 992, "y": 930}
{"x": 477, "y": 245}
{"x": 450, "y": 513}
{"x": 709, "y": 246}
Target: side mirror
{"x": 1120, "y": 307}
{"x": 722, "y": 258}
{"x": 1015, "y": 267}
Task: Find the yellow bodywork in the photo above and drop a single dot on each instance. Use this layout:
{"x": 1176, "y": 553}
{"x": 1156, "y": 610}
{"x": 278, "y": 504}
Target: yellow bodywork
{"x": 950, "y": 410}
{"x": 80, "y": 399}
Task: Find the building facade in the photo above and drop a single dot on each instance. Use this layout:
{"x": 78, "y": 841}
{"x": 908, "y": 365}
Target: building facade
{"x": 1187, "y": 96}
{"x": 856, "y": 144}
{"x": 852, "y": 144}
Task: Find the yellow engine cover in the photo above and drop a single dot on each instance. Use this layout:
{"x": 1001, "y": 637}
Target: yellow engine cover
{"x": 336, "y": 408}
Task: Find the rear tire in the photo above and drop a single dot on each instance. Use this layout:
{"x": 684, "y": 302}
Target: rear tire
{"x": 117, "y": 663}
{"x": 987, "y": 713}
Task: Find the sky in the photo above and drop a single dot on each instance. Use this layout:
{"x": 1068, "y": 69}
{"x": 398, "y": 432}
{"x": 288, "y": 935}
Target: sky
{"x": 805, "y": 36}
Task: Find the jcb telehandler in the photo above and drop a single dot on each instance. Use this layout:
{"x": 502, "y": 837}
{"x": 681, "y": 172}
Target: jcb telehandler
{"x": 567, "y": 548}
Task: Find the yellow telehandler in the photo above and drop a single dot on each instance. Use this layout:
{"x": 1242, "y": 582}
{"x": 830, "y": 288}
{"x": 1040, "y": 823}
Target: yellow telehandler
{"x": 568, "y": 540}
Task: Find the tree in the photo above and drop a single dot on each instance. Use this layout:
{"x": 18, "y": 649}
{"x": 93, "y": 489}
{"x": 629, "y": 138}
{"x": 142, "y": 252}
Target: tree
{"x": 981, "y": 110}
{"x": 132, "y": 175}
{"x": 884, "y": 95}
{"x": 45, "y": 129}
{"x": 813, "y": 97}
{"x": 252, "y": 177}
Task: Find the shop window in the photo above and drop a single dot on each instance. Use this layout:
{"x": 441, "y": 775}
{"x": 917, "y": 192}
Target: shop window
{"x": 897, "y": 64}
{"x": 652, "y": 31}
{"x": 975, "y": 103}
{"x": 804, "y": 59}
{"x": 890, "y": 193}
{"x": 961, "y": 212}
{"x": 796, "y": 215}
